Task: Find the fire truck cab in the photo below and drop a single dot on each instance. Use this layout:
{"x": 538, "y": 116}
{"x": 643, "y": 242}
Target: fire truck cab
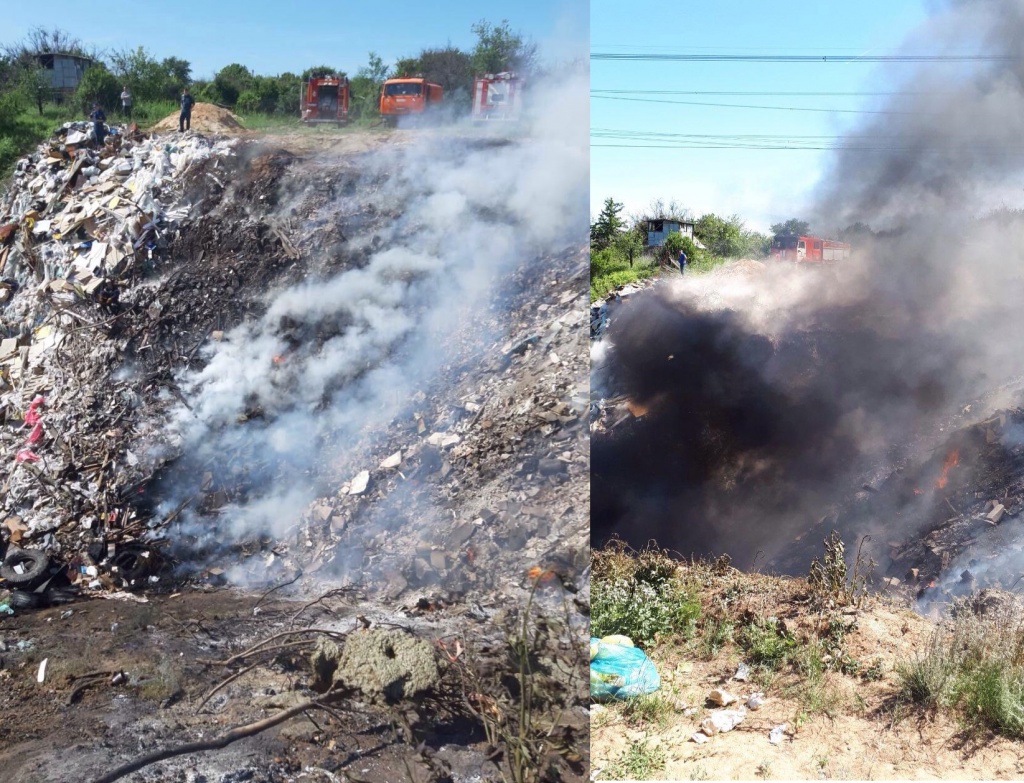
{"x": 407, "y": 95}
{"x": 325, "y": 99}
{"x": 496, "y": 96}
{"x": 808, "y": 249}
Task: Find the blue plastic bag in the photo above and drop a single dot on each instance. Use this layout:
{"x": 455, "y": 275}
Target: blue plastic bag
{"x": 620, "y": 672}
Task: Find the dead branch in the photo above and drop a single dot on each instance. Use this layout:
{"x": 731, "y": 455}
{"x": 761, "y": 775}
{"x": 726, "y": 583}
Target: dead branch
{"x": 225, "y": 682}
{"x": 292, "y": 581}
{"x": 329, "y": 594}
{"x": 217, "y": 743}
{"x": 256, "y": 647}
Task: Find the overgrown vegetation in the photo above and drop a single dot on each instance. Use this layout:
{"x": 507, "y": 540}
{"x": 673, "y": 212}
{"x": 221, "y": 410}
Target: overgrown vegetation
{"x": 619, "y": 253}
{"x": 831, "y": 586}
{"x": 639, "y": 761}
{"x": 973, "y": 664}
{"x": 640, "y": 595}
{"x": 519, "y": 712}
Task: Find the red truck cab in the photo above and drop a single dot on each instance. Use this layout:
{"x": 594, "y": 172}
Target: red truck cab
{"x": 808, "y": 249}
{"x": 407, "y": 95}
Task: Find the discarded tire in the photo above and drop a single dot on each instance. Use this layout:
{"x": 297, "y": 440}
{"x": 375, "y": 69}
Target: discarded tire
{"x": 24, "y": 567}
{"x": 20, "y": 601}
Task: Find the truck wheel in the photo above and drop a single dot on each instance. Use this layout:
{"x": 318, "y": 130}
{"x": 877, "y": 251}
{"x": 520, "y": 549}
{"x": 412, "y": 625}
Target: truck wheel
{"x": 24, "y": 567}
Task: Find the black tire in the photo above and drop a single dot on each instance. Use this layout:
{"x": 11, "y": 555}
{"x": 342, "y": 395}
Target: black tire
{"x": 21, "y": 601}
{"x": 33, "y": 565}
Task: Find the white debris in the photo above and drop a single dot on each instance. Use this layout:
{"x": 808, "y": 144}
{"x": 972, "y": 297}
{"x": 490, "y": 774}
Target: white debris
{"x": 722, "y": 721}
{"x": 742, "y": 673}
{"x": 775, "y": 736}
{"x": 699, "y": 738}
{"x": 755, "y": 701}
{"x": 41, "y": 676}
{"x": 721, "y": 697}
{"x": 359, "y": 483}
{"x": 393, "y": 461}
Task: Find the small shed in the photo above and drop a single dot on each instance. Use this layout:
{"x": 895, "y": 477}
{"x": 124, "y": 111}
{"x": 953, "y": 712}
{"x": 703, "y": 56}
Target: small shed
{"x": 658, "y": 229}
{"x": 66, "y": 70}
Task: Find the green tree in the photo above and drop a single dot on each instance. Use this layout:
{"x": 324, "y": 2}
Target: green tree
{"x": 320, "y": 70}
{"x": 450, "y": 67}
{"x": 230, "y": 82}
{"x": 721, "y": 236}
{"x": 499, "y": 49}
{"x": 98, "y": 85}
{"x": 35, "y": 85}
{"x": 289, "y": 88}
{"x": 608, "y": 224}
{"x": 857, "y": 231}
{"x": 178, "y": 74}
{"x": 261, "y": 97}
{"x": 365, "y": 88}
{"x": 674, "y": 242}
{"x": 406, "y": 66}
{"x": 143, "y": 74}
{"x": 791, "y": 226}
{"x": 628, "y": 245}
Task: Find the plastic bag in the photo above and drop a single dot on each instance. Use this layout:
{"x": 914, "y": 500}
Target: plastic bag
{"x": 620, "y": 672}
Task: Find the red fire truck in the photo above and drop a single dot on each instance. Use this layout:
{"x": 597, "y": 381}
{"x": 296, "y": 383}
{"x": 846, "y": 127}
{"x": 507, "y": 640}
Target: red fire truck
{"x": 496, "y": 96}
{"x": 325, "y": 99}
{"x": 808, "y": 249}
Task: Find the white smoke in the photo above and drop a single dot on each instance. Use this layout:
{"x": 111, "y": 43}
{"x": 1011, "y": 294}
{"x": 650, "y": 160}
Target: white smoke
{"x": 332, "y": 362}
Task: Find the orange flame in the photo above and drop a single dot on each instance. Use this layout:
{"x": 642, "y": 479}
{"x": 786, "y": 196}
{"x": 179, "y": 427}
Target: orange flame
{"x": 539, "y": 574}
{"x": 952, "y": 459}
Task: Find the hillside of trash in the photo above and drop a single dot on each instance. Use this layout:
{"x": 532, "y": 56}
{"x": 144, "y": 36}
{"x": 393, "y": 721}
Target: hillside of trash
{"x": 314, "y": 503}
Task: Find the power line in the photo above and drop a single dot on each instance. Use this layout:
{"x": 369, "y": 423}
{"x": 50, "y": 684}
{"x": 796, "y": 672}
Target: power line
{"x": 874, "y": 143}
{"x": 787, "y": 93}
{"x": 808, "y": 58}
{"x": 754, "y": 106}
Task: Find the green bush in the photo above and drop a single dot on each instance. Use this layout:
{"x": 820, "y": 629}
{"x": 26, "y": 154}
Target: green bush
{"x": 974, "y": 665}
{"x": 766, "y": 645}
{"x": 644, "y": 604}
{"x": 98, "y": 85}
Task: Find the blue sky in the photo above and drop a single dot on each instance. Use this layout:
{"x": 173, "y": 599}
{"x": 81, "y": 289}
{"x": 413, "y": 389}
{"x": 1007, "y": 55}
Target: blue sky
{"x": 762, "y": 186}
{"x": 273, "y": 37}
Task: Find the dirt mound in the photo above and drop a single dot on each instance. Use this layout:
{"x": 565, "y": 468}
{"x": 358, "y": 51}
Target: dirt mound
{"x": 206, "y": 117}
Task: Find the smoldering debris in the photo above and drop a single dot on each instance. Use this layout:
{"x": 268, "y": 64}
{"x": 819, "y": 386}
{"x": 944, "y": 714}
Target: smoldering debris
{"x": 743, "y": 409}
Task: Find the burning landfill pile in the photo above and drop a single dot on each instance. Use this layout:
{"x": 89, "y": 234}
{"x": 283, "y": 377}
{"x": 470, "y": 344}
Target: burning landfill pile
{"x": 360, "y": 374}
{"x": 753, "y": 409}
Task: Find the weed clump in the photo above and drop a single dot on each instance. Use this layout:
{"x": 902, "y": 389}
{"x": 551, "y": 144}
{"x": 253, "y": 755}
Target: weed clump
{"x": 640, "y": 595}
{"x": 974, "y": 664}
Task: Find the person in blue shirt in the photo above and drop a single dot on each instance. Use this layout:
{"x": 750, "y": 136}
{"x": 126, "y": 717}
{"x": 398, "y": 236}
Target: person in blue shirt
{"x": 185, "y": 118}
{"x": 682, "y": 262}
{"x": 98, "y": 119}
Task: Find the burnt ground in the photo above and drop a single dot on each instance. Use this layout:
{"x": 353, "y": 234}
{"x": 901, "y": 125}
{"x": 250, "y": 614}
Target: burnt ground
{"x": 509, "y": 496}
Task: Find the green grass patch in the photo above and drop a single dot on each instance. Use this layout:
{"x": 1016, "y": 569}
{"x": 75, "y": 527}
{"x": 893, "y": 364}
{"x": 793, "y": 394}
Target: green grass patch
{"x": 610, "y": 270}
{"x": 975, "y": 666}
{"x": 648, "y": 709}
{"x": 640, "y": 761}
{"x": 26, "y": 129}
{"x": 642, "y": 597}
{"x": 766, "y": 645}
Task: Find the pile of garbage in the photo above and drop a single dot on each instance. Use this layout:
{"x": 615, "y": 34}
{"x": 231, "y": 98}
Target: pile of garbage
{"x": 81, "y": 226}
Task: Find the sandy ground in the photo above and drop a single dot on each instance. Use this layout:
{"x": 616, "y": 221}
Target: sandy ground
{"x": 857, "y": 730}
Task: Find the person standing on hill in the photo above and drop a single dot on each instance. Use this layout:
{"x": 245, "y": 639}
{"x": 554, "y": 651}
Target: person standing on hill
{"x": 185, "y": 118}
{"x": 98, "y": 119}
{"x": 682, "y": 262}
{"x": 126, "y": 103}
